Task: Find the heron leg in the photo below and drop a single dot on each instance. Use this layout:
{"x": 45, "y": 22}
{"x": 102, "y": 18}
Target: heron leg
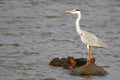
{"x": 88, "y": 57}
{"x": 89, "y": 54}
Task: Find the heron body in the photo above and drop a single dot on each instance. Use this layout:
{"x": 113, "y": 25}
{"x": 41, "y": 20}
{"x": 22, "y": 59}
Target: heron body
{"x": 91, "y": 40}
{"x": 87, "y": 38}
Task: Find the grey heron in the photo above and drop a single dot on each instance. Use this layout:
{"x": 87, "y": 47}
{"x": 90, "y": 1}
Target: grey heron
{"x": 87, "y": 38}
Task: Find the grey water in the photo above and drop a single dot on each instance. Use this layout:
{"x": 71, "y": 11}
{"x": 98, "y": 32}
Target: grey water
{"x": 33, "y": 32}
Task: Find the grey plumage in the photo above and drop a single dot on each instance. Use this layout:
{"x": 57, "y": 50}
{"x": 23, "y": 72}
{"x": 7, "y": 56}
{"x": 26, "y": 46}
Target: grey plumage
{"x": 91, "y": 40}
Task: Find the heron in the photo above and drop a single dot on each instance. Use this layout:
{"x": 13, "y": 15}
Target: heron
{"x": 89, "y": 39}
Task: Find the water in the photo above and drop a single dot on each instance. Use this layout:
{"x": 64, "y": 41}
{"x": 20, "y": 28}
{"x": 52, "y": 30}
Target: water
{"x": 33, "y": 32}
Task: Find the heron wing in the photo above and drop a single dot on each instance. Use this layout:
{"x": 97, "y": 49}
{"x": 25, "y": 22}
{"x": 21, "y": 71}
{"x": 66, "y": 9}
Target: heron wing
{"x": 90, "y": 39}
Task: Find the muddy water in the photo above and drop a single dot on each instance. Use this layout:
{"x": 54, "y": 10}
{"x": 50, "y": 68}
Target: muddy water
{"x": 32, "y": 32}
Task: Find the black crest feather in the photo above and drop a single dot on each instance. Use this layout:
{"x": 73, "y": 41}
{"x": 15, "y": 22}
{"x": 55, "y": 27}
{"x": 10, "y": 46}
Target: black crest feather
{"x": 77, "y": 10}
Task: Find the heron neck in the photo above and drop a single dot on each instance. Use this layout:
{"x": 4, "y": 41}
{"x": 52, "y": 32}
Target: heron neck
{"x": 77, "y": 23}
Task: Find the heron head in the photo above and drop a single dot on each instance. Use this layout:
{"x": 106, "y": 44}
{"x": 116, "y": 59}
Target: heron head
{"x": 74, "y": 11}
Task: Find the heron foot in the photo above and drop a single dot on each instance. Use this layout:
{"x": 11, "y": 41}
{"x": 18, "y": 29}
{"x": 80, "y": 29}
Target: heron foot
{"x": 86, "y": 65}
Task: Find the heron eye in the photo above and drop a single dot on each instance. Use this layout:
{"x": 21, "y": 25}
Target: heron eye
{"x": 81, "y": 34}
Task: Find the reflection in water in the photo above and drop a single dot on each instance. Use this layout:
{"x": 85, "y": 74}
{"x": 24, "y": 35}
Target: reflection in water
{"x": 88, "y": 77}
{"x": 32, "y": 32}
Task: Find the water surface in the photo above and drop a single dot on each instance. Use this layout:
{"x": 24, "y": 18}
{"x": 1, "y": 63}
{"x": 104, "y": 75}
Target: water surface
{"x": 32, "y": 32}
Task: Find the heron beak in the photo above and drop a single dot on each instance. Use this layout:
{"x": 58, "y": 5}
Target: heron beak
{"x": 69, "y": 11}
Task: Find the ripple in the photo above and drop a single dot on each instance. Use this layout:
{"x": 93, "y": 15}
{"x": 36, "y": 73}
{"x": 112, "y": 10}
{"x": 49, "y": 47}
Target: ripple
{"x": 46, "y": 34}
{"x": 58, "y": 40}
{"x": 31, "y": 53}
{"x": 14, "y": 44}
{"x": 50, "y": 17}
{"x": 109, "y": 32}
{"x": 1, "y": 44}
{"x": 116, "y": 56}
